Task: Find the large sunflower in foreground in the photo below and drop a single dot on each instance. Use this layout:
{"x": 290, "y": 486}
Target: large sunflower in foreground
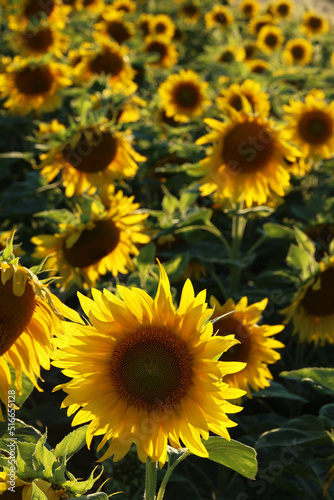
{"x": 248, "y": 161}
{"x": 83, "y": 251}
{"x": 251, "y": 90}
{"x": 314, "y": 24}
{"x": 30, "y": 316}
{"x": 311, "y": 125}
{"x": 32, "y": 86}
{"x": 312, "y": 307}
{"x": 93, "y": 156}
{"x": 298, "y": 51}
{"x": 147, "y": 373}
{"x": 183, "y": 96}
{"x": 256, "y": 348}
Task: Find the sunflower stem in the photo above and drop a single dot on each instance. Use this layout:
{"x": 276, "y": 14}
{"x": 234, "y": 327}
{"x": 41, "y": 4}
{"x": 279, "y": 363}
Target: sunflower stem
{"x": 238, "y": 228}
{"x": 168, "y": 473}
{"x": 150, "y": 480}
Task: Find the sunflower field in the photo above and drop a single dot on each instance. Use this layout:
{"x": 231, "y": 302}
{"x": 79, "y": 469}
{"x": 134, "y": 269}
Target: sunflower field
{"x": 166, "y": 250}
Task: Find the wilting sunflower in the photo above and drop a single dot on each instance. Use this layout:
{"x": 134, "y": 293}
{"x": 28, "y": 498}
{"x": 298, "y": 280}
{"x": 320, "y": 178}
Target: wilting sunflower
{"x": 312, "y": 307}
{"x": 161, "y": 24}
{"x": 256, "y": 347}
{"x": 219, "y": 16}
{"x": 270, "y": 38}
{"x": 30, "y": 316}
{"x": 249, "y": 8}
{"x": 248, "y": 160}
{"x": 164, "y": 48}
{"x": 146, "y": 373}
{"x": 183, "y": 96}
{"x": 95, "y": 155}
{"x": 39, "y": 40}
{"x": 283, "y": 9}
{"x": 112, "y": 25}
{"x": 190, "y": 13}
{"x": 311, "y": 125}
{"x": 231, "y": 54}
{"x": 258, "y": 66}
{"x": 257, "y": 23}
{"x": 33, "y": 85}
{"x": 314, "y": 24}
{"x": 234, "y": 96}
{"x": 298, "y": 51}
{"x": 108, "y": 59}
{"x": 27, "y": 11}
{"x": 82, "y": 252}
{"x": 28, "y": 489}
{"x": 124, "y": 5}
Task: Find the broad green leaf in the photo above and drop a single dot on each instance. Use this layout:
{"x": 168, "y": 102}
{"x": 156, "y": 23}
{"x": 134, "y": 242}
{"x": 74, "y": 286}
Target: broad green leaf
{"x": 37, "y": 494}
{"x": 42, "y": 457}
{"x": 276, "y": 390}
{"x": 322, "y": 379}
{"x": 72, "y": 443}
{"x": 232, "y": 454}
{"x": 79, "y": 488}
{"x": 273, "y": 230}
{"x": 326, "y": 414}
{"x": 23, "y": 432}
{"x": 145, "y": 259}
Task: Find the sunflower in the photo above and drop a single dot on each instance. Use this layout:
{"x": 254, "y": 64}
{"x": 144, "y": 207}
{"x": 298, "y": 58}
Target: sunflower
{"x": 146, "y": 373}
{"x": 183, "y": 96}
{"x": 163, "y": 47}
{"x": 26, "y": 488}
{"x": 113, "y": 25}
{"x": 250, "y": 50}
{"x": 161, "y": 24}
{"x": 283, "y": 9}
{"x": 298, "y": 51}
{"x": 234, "y": 96}
{"x": 256, "y": 347}
{"x": 312, "y": 307}
{"x": 93, "y": 156}
{"x": 247, "y": 162}
{"x": 93, "y": 6}
{"x": 83, "y": 251}
{"x": 190, "y": 13}
{"x": 27, "y": 11}
{"x": 124, "y": 5}
{"x": 314, "y": 24}
{"x": 30, "y": 316}
{"x": 249, "y": 8}
{"x": 33, "y": 86}
{"x": 258, "y": 22}
{"x": 108, "y": 59}
{"x": 270, "y": 38}
{"x": 231, "y": 54}
{"x": 219, "y": 16}
{"x": 258, "y": 66}
{"x": 311, "y": 125}
{"x": 39, "y": 40}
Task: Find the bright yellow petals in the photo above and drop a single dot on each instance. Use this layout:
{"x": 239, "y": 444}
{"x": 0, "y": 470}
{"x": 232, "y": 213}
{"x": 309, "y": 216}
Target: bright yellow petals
{"x": 235, "y": 96}
{"x": 298, "y": 51}
{"x": 113, "y": 26}
{"x": 220, "y": 16}
{"x": 30, "y": 11}
{"x": 311, "y": 125}
{"x": 124, "y": 6}
{"x": 39, "y": 40}
{"x": 248, "y": 160}
{"x": 147, "y": 363}
{"x": 183, "y": 96}
{"x": 83, "y": 252}
{"x": 161, "y": 25}
{"x": 257, "y": 23}
{"x": 283, "y": 9}
{"x": 314, "y": 24}
{"x": 249, "y": 8}
{"x": 270, "y": 38}
{"x": 33, "y": 87}
{"x": 258, "y": 66}
{"x": 312, "y": 307}
{"x": 165, "y": 50}
{"x": 257, "y": 348}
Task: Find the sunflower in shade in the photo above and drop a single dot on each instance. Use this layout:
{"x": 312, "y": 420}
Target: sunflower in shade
{"x": 30, "y": 317}
{"x": 113, "y": 25}
{"x": 257, "y": 348}
{"x": 148, "y": 362}
{"x": 33, "y": 85}
{"x": 183, "y": 96}
{"x": 311, "y": 125}
{"x": 27, "y": 11}
{"x": 249, "y": 8}
{"x": 38, "y": 40}
{"x": 270, "y": 38}
{"x": 92, "y": 156}
{"x": 248, "y": 160}
{"x": 83, "y": 251}
{"x": 234, "y": 97}
{"x": 161, "y": 24}
{"x": 314, "y": 24}
{"x": 312, "y": 308}
{"x": 298, "y": 51}
{"x": 163, "y": 48}
{"x": 219, "y": 16}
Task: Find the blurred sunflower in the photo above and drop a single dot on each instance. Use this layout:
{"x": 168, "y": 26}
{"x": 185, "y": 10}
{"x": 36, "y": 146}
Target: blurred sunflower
{"x": 283, "y": 9}
{"x": 33, "y": 85}
{"x": 250, "y": 50}
{"x": 249, "y": 8}
{"x": 257, "y": 23}
{"x": 219, "y": 16}
{"x": 270, "y": 38}
{"x": 231, "y": 54}
{"x": 39, "y": 40}
{"x": 83, "y": 251}
{"x": 143, "y": 23}
{"x": 183, "y": 96}
{"x": 311, "y": 125}
{"x": 234, "y": 97}
{"x": 93, "y": 156}
{"x": 298, "y": 51}
{"x": 258, "y": 66}
{"x": 312, "y": 307}
{"x": 124, "y": 5}
{"x": 112, "y": 25}
{"x": 314, "y": 24}
{"x": 28, "y": 489}
{"x": 248, "y": 160}
{"x": 256, "y": 347}
{"x": 30, "y": 317}
{"x": 161, "y": 24}
{"x": 147, "y": 363}
{"x": 164, "y": 48}
{"x": 190, "y": 13}
{"x": 94, "y": 6}
{"x": 27, "y": 11}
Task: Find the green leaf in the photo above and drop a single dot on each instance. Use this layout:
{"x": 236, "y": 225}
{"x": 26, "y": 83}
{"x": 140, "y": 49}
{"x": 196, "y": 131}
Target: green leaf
{"x": 232, "y": 454}
{"x": 276, "y": 390}
{"x": 79, "y": 488}
{"x": 273, "y": 230}
{"x": 58, "y": 216}
{"x": 37, "y": 494}
{"x": 43, "y": 458}
{"x": 94, "y": 496}
{"x": 322, "y": 379}
{"x": 72, "y": 443}
{"x": 27, "y": 387}
{"x": 327, "y": 415}
{"x": 145, "y": 259}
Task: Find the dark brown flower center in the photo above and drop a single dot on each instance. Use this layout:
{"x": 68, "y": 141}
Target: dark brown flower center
{"x": 247, "y": 148}
{"x": 87, "y": 3}
{"x": 259, "y": 25}
{"x": 259, "y": 68}
{"x": 13, "y": 495}
{"x": 160, "y": 27}
{"x": 227, "y": 57}
{"x": 322, "y": 234}
{"x": 250, "y": 51}
{"x": 34, "y": 81}
{"x": 144, "y": 27}
{"x": 283, "y": 9}
{"x": 238, "y": 352}
{"x": 315, "y": 127}
{"x": 236, "y": 102}
{"x": 15, "y": 313}
{"x": 37, "y": 7}
{"x": 221, "y": 18}
{"x": 321, "y": 302}
{"x": 248, "y": 9}
{"x": 38, "y": 41}
{"x": 187, "y": 95}
{"x": 190, "y": 10}
{"x": 109, "y": 63}
{"x": 271, "y": 40}
{"x": 315, "y": 23}
{"x": 118, "y": 31}
{"x": 151, "y": 369}
{"x": 92, "y": 156}
{"x": 298, "y": 52}
{"x": 123, "y": 7}
{"x": 93, "y": 244}
{"x": 158, "y": 47}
